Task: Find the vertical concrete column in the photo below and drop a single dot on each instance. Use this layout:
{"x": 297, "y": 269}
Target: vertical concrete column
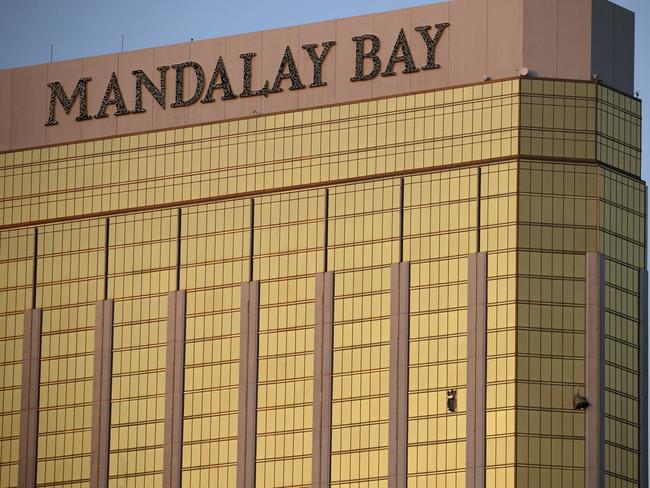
{"x": 398, "y": 376}
{"x": 29, "y": 398}
{"x": 174, "y": 381}
{"x": 323, "y": 343}
{"x": 595, "y": 371}
{"x": 248, "y": 359}
{"x": 643, "y": 377}
{"x": 476, "y": 368}
{"x": 101, "y": 420}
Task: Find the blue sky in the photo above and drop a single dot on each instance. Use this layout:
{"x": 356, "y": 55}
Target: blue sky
{"x": 79, "y": 28}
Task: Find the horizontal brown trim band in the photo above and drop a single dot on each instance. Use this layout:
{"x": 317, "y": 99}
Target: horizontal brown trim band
{"x": 550, "y": 159}
{"x": 311, "y": 186}
{"x": 178, "y": 145}
{"x": 386, "y": 150}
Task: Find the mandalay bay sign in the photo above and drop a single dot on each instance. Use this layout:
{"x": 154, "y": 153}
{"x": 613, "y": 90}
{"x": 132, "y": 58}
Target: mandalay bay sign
{"x": 367, "y": 65}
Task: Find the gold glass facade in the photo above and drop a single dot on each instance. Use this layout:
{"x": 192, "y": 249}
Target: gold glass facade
{"x": 440, "y": 231}
{"x": 70, "y": 277}
{"x": 14, "y": 296}
{"x": 363, "y": 244}
{"x": 141, "y": 257}
{"x": 534, "y": 173}
{"x": 214, "y": 248}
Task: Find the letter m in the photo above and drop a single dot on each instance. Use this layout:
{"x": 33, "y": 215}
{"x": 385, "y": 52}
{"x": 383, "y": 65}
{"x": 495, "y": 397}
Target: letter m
{"x": 58, "y": 93}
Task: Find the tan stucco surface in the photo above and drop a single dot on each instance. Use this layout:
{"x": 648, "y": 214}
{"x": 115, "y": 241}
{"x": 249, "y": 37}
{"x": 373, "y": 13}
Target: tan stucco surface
{"x": 486, "y": 38}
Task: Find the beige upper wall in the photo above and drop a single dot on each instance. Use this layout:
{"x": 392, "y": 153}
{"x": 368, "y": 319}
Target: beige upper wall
{"x": 494, "y": 38}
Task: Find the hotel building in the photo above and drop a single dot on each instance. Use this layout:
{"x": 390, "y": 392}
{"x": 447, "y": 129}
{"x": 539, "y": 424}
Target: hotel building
{"x": 398, "y": 250}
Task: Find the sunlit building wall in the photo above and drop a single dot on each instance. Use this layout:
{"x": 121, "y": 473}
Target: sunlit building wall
{"x": 407, "y": 290}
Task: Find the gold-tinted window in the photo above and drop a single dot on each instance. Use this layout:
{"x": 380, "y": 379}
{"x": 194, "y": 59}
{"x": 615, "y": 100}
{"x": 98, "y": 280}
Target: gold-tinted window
{"x": 16, "y": 251}
{"x": 142, "y": 270}
{"x": 69, "y": 278}
{"x": 214, "y": 261}
{"x": 440, "y": 230}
